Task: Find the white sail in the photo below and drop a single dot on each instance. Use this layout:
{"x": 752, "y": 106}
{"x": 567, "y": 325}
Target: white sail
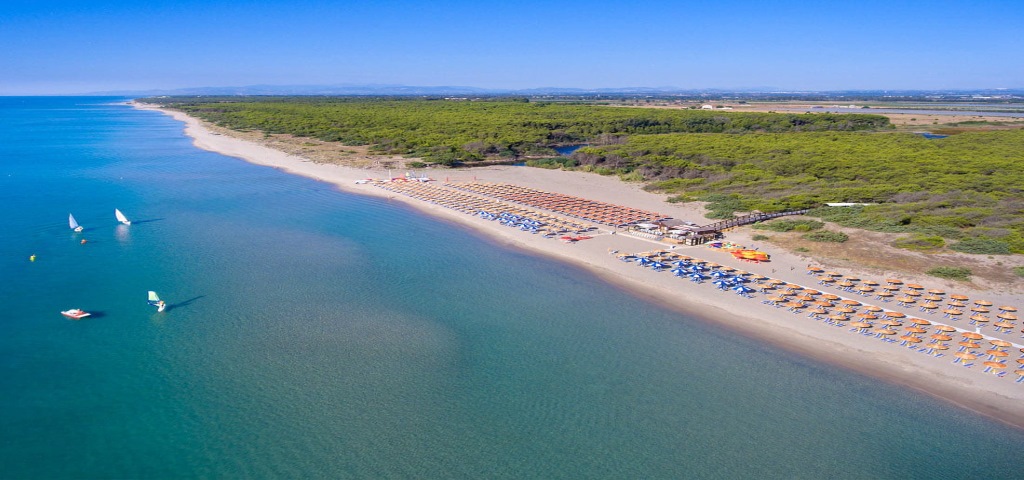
{"x": 121, "y": 218}
{"x": 153, "y": 298}
{"x": 74, "y": 224}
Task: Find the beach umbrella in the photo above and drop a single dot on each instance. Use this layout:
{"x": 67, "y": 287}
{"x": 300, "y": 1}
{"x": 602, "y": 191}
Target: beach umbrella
{"x": 936, "y": 291}
{"x": 971, "y": 345}
{"x": 817, "y": 311}
{"x": 893, "y": 323}
{"x": 867, "y": 316}
{"x": 845, "y": 310}
{"x": 794, "y": 305}
{"x": 972, "y": 335}
{"x": 956, "y": 304}
{"x": 838, "y": 318}
{"x": 893, "y": 281}
{"x": 721, "y": 284}
{"x": 989, "y": 366}
{"x": 889, "y": 288}
{"x": 939, "y": 346}
{"x": 678, "y": 272}
{"x": 885, "y": 331}
{"x": 1000, "y": 343}
{"x": 829, "y": 296}
{"x": 1003, "y": 324}
{"x": 959, "y": 297}
{"x": 871, "y": 283}
{"x": 945, "y": 328}
{"x": 1007, "y": 308}
{"x": 919, "y": 321}
{"x": 850, "y": 302}
{"x": 865, "y": 289}
{"x": 872, "y": 308}
{"x": 932, "y": 298}
{"x": 980, "y": 309}
{"x": 1007, "y": 316}
{"x": 833, "y": 274}
{"x": 742, "y": 289}
{"x": 961, "y": 356}
{"x": 942, "y": 338}
{"x": 913, "y": 329}
{"x": 805, "y": 297}
{"x": 996, "y": 353}
{"x": 861, "y": 325}
{"x": 909, "y": 339}
{"x": 1020, "y": 375}
{"x": 911, "y": 293}
{"x": 979, "y": 318}
{"x": 906, "y": 300}
{"x": 884, "y": 295}
{"x": 984, "y": 303}
{"x": 823, "y": 303}
{"x": 815, "y": 269}
{"x": 951, "y": 311}
{"x": 915, "y": 286}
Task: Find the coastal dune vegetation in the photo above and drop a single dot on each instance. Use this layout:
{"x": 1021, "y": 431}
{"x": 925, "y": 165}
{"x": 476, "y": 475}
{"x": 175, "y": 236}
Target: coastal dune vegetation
{"x": 963, "y": 192}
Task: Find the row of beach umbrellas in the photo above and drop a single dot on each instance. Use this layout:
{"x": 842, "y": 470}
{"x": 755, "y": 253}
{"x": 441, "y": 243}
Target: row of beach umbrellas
{"x": 590, "y": 210}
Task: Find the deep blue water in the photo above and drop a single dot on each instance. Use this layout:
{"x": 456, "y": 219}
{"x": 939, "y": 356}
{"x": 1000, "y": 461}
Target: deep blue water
{"x": 568, "y": 149}
{"x": 314, "y": 333}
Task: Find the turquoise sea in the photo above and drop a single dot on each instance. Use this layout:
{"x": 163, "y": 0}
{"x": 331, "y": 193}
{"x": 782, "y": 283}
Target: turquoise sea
{"x": 317, "y": 334}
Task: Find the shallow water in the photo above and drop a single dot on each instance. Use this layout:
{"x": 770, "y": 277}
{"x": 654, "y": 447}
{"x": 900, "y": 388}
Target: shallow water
{"x": 315, "y": 333}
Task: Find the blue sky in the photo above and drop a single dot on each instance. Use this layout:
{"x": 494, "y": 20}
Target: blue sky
{"x": 62, "y": 47}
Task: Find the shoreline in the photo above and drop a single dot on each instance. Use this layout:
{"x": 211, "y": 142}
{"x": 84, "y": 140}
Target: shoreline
{"x": 989, "y": 395}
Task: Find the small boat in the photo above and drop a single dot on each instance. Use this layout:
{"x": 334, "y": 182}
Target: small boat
{"x": 155, "y": 301}
{"x": 75, "y": 313}
{"x": 74, "y": 224}
{"x": 121, "y": 218}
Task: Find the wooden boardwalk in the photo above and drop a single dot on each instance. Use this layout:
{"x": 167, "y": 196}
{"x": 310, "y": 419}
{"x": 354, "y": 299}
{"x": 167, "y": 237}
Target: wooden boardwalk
{"x": 747, "y": 220}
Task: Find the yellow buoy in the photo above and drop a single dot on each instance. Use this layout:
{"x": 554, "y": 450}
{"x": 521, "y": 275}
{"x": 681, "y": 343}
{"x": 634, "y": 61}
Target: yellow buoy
{"x": 32, "y": 258}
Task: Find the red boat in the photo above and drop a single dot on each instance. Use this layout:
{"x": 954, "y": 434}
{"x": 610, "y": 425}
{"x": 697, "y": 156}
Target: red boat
{"x": 75, "y": 313}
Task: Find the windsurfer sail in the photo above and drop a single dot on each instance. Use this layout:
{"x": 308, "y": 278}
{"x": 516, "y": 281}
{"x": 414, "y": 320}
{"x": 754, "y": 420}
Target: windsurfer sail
{"x": 155, "y": 301}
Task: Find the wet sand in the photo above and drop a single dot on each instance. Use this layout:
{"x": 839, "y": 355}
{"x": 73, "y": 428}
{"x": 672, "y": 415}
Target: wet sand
{"x": 998, "y": 397}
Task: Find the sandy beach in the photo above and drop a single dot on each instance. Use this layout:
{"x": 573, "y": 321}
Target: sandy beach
{"x": 938, "y": 373}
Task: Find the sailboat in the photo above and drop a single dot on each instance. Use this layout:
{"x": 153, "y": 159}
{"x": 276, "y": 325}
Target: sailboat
{"x": 121, "y": 218}
{"x": 155, "y": 301}
{"x": 74, "y": 224}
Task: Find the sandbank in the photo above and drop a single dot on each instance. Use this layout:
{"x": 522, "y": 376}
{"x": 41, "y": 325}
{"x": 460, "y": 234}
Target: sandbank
{"x": 1000, "y": 398}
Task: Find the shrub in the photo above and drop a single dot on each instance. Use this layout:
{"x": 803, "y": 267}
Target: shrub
{"x": 802, "y": 249}
{"x": 417, "y": 164}
{"x": 789, "y": 225}
{"x": 920, "y": 243}
{"x": 952, "y": 273}
{"x": 759, "y": 237}
{"x": 982, "y": 245}
{"x": 826, "y": 236}
{"x": 1019, "y": 271}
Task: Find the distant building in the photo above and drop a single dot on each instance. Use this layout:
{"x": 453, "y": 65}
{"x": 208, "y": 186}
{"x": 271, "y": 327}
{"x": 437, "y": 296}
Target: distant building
{"x": 707, "y": 107}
